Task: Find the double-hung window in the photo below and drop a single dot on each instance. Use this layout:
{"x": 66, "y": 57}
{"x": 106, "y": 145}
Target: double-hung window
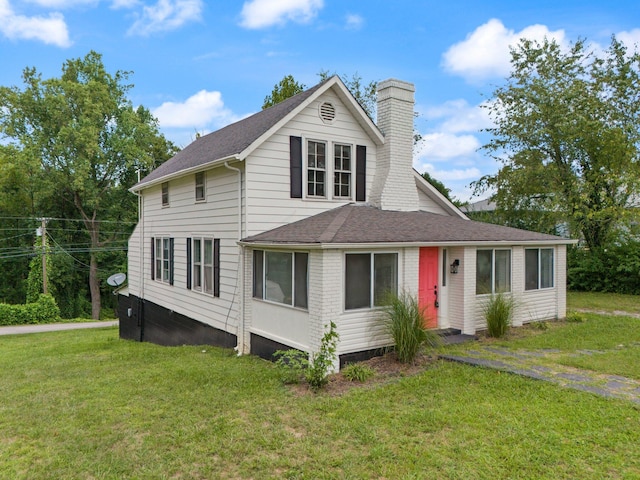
{"x": 165, "y": 194}
{"x": 281, "y": 277}
{"x": 162, "y": 259}
{"x": 316, "y": 168}
{"x": 538, "y": 268}
{"x": 369, "y": 278}
{"x": 493, "y": 271}
{"x": 203, "y": 258}
{"x": 342, "y": 171}
{"x": 200, "y": 186}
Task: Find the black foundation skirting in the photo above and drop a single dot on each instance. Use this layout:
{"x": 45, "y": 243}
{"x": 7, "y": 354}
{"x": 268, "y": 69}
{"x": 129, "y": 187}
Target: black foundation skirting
{"x": 355, "y": 357}
{"x": 146, "y": 321}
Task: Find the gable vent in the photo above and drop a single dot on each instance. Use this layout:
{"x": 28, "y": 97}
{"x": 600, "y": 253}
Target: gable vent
{"x": 327, "y": 112}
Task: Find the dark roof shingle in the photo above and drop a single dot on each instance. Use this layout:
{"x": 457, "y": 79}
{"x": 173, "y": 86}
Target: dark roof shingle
{"x": 366, "y": 224}
{"x": 228, "y": 141}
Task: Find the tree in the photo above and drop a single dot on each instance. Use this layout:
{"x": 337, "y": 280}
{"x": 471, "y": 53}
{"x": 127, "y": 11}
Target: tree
{"x": 567, "y": 131}
{"x": 285, "y": 88}
{"x": 365, "y": 93}
{"x": 88, "y": 140}
{"x": 438, "y": 185}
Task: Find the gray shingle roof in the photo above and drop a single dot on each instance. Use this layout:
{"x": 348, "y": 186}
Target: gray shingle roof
{"x": 358, "y": 224}
{"x": 228, "y": 141}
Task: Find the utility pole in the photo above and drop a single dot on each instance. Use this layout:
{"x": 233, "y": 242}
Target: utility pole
{"x": 43, "y": 230}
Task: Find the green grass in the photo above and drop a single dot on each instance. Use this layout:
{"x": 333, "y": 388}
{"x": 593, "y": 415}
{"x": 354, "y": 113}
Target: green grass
{"x": 86, "y": 405}
{"x": 607, "y": 302}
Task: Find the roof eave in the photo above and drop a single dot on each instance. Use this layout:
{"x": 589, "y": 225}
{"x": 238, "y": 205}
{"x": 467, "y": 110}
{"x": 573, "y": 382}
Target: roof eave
{"x": 360, "y": 246}
{"x": 165, "y": 178}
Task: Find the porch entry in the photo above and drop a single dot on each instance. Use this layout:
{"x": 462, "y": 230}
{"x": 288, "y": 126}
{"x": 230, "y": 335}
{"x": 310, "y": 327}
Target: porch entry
{"x": 428, "y": 285}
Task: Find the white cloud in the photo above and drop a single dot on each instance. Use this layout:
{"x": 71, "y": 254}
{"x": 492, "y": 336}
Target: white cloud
{"x": 444, "y": 146}
{"x": 62, "y": 4}
{"x": 266, "y": 13}
{"x": 51, "y": 30}
{"x": 165, "y": 15}
{"x": 354, "y": 22}
{"x": 485, "y": 52}
{"x": 117, "y": 4}
{"x": 630, "y": 39}
{"x": 458, "y": 116}
{"x": 451, "y": 175}
{"x": 202, "y": 110}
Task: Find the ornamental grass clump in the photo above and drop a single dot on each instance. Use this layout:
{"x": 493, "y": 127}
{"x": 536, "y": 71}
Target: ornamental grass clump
{"x": 405, "y": 322}
{"x": 498, "y": 312}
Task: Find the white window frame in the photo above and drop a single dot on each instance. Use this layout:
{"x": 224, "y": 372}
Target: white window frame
{"x": 162, "y": 259}
{"x": 372, "y": 282}
{"x": 493, "y": 270}
{"x": 316, "y": 170}
{"x": 201, "y": 270}
{"x": 294, "y": 302}
{"x": 341, "y": 171}
{"x": 539, "y": 269}
{"x": 201, "y": 186}
{"x": 164, "y": 189}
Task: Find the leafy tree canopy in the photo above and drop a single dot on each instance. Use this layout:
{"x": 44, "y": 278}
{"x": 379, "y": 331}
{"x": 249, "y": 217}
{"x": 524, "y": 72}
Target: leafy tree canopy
{"x": 83, "y": 140}
{"x": 567, "y": 131}
{"x": 285, "y": 88}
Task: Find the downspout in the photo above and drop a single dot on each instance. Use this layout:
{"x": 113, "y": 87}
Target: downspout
{"x": 240, "y": 346}
{"x": 140, "y": 308}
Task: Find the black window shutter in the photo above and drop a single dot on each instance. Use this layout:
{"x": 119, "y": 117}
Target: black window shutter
{"x": 295, "y": 166}
{"x": 361, "y": 173}
{"x": 153, "y": 258}
{"x": 216, "y": 267}
{"x": 189, "y": 263}
{"x": 171, "y": 261}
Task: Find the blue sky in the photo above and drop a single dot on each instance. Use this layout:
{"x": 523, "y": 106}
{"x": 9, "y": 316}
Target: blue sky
{"x": 199, "y": 65}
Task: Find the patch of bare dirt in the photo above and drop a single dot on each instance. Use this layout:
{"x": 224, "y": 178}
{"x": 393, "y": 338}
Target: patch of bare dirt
{"x": 386, "y": 368}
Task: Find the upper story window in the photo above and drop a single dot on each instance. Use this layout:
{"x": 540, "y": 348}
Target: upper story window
{"x": 493, "y": 271}
{"x": 342, "y": 170}
{"x": 165, "y": 194}
{"x": 200, "y": 186}
{"x": 538, "y": 268}
{"x": 316, "y": 168}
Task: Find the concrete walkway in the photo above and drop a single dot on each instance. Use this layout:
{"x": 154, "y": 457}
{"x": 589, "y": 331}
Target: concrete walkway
{"x": 528, "y": 364}
{"x": 53, "y": 327}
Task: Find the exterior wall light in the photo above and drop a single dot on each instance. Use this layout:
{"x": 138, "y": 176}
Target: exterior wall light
{"x": 454, "y": 266}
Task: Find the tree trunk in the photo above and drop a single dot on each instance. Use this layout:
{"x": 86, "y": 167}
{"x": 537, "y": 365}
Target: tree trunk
{"x": 94, "y": 287}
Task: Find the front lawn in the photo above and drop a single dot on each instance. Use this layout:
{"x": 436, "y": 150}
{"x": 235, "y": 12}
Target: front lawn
{"x": 606, "y": 302}
{"x": 85, "y": 404}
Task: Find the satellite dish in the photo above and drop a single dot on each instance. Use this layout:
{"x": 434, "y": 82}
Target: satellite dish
{"x": 116, "y": 279}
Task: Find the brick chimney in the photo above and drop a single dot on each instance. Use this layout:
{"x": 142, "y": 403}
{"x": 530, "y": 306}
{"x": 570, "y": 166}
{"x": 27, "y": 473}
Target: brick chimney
{"x": 394, "y": 186}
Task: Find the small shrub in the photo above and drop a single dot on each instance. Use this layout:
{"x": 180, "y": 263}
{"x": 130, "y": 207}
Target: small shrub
{"x": 405, "y": 322}
{"x": 322, "y": 362}
{"x": 540, "y": 325}
{"x": 575, "y": 317}
{"x": 498, "y": 313}
{"x": 291, "y": 365}
{"x": 357, "y": 372}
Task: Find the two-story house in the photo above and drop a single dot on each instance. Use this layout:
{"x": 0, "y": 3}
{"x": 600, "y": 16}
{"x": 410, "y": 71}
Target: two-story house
{"x": 256, "y": 236}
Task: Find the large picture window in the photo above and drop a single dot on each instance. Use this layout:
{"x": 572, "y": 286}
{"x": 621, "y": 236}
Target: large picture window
{"x": 493, "y": 271}
{"x": 538, "y": 268}
{"x": 162, "y": 259}
{"x": 369, "y": 278}
{"x": 281, "y": 277}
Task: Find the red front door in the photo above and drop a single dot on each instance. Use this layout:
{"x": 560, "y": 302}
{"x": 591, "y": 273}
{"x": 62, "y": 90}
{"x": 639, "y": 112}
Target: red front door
{"x": 428, "y": 285}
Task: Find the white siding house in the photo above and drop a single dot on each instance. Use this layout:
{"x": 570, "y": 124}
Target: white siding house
{"x": 258, "y": 235}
